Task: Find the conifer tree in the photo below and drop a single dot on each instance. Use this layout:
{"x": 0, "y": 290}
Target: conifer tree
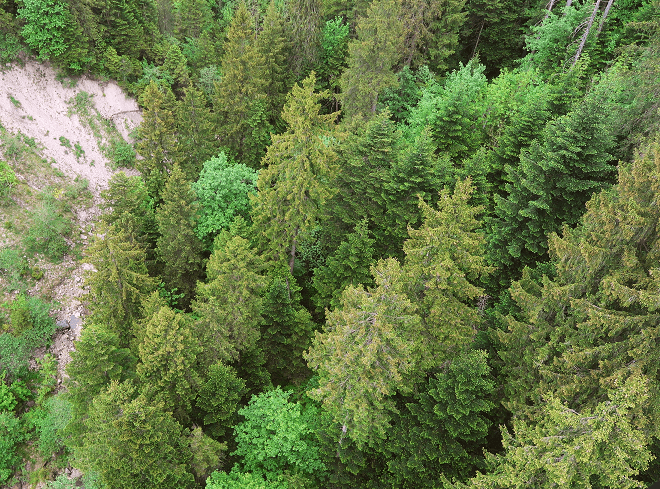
{"x": 553, "y": 181}
{"x": 287, "y": 327}
{"x": 218, "y": 398}
{"x": 133, "y": 443}
{"x": 157, "y": 142}
{"x": 274, "y": 45}
{"x": 193, "y": 17}
{"x": 119, "y": 282}
{"x": 592, "y": 327}
{"x": 240, "y": 98}
{"x": 363, "y": 355}
{"x": 444, "y": 258}
{"x": 350, "y": 264}
{"x": 196, "y": 132}
{"x": 97, "y": 360}
{"x": 229, "y": 305}
{"x": 296, "y": 181}
{"x": 305, "y": 17}
{"x": 168, "y": 353}
{"x": 372, "y": 58}
{"x": 176, "y": 66}
{"x": 178, "y": 247}
{"x": 440, "y": 432}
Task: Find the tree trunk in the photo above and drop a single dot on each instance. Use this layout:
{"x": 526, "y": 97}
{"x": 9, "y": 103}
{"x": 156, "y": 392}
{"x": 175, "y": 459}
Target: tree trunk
{"x": 607, "y": 11}
{"x": 583, "y": 41}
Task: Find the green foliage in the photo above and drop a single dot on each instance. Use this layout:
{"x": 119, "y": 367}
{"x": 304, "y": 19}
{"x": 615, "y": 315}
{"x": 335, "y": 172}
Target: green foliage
{"x": 218, "y": 398}
{"x": 287, "y": 328}
{"x": 122, "y": 153}
{"x": 62, "y": 482}
{"x": 441, "y": 432}
{"x": 7, "y": 180}
{"x": 49, "y": 232}
{"x": 207, "y": 454}
{"x": 350, "y": 264}
{"x": 178, "y": 247}
{"x": 604, "y": 446}
{"x": 240, "y": 98}
{"x": 362, "y": 356}
{"x": 119, "y": 281}
{"x": 223, "y": 191}
{"x": 277, "y": 437}
{"x": 133, "y": 443}
{"x": 229, "y": 305}
{"x": 11, "y": 434}
{"x": 12, "y": 393}
{"x": 167, "y": 353}
{"x": 372, "y": 58}
{"x": 241, "y": 480}
{"x": 47, "y": 27}
{"x": 296, "y": 181}
{"x": 334, "y": 50}
{"x": 57, "y": 412}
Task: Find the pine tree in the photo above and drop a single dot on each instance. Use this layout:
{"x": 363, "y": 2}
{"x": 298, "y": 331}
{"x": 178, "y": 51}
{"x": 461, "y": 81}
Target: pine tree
{"x": 157, "y": 142}
{"x": 168, "y": 353}
{"x": 363, "y": 355}
{"x": 229, "y": 305}
{"x": 196, "y": 132}
{"x": 296, "y": 181}
{"x": 372, "y": 58}
{"x": 178, "y": 247}
{"x": 132, "y": 443}
{"x": 274, "y": 45}
{"x": 119, "y": 281}
{"x": 240, "y": 98}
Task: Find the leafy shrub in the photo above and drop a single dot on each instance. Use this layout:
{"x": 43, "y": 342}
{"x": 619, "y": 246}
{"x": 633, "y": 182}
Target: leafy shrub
{"x": 48, "y": 232}
{"x": 13, "y": 265}
{"x": 12, "y": 394}
{"x": 122, "y": 153}
{"x": 62, "y": 482}
{"x": 7, "y": 179}
{"x": 20, "y": 317}
{"x": 11, "y": 435}
{"x": 53, "y": 418}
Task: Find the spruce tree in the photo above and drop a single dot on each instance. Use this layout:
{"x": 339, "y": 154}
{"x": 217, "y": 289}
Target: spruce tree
{"x": 555, "y": 178}
{"x": 363, "y": 355}
{"x": 296, "y": 181}
{"x": 274, "y": 45}
{"x": 167, "y": 353}
{"x": 444, "y": 260}
{"x": 193, "y": 17}
{"x": 196, "y": 132}
{"x": 287, "y": 328}
{"x": 119, "y": 281}
{"x": 178, "y": 247}
{"x": 305, "y": 17}
{"x": 350, "y": 264}
{"x": 372, "y": 58}
{"x": 240, "y": 98}
{"x": 132, "y": 443}
{"x": 229, "y": 305}
{"x": 157, "y": 142}
{"x": 218, "y": 397}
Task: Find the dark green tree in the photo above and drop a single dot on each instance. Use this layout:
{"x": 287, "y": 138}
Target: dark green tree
{"x": 274, "y": 45}
{"x": 218, "y": 397}
{"x": 193, "y": 17}
{"x": 157, "y": 142}
{"x": 178, "y": 247}
{"x": 240, "y": 98}
{"x": 133, "y": 443}
{"x": 287, "y": 328}
{"x": 372, "y": 58}
{"x": 229, "y": 305}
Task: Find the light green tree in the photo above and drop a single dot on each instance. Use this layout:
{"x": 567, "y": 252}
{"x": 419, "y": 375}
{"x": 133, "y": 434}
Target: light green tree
{"x": 299, "y": 169}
